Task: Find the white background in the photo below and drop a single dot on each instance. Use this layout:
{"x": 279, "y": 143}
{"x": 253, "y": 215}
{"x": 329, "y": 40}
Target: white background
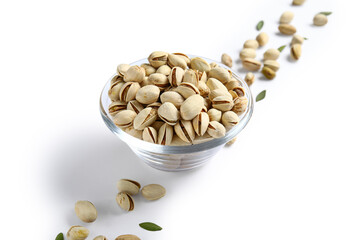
{"x": 292, "y": 174}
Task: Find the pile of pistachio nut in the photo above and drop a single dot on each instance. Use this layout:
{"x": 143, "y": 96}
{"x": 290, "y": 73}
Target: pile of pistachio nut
{"x": 176, "y": 100}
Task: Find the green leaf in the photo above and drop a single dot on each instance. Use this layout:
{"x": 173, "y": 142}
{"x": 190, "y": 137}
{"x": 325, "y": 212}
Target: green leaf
{"x": 261, "y": 96}
{"x": 260, "y": 25}
{"x": 326, "y": 13}
{"x": 305, "y": 38}
{"x": 281, "y": 48}
{"x": 150, "y": 226}
{"x": 60, "y": 236}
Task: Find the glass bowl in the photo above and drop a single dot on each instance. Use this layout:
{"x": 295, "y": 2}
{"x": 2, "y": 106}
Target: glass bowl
{"x": 176, "y": 158}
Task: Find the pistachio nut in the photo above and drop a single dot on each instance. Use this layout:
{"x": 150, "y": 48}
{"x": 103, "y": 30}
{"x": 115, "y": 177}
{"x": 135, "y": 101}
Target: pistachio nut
{"x": 213, "y": 65}
{"x": 154, "y": 105}
{"x": 125, "y": 201}
{"x": 232, "y": 83}
{"x": 297, "y": 39}
{"x": 145, "y": 82}
{"x": 145, "y": 118}
{"x": 271, "y": 54}
{"x": 262, "y": 39}
{"x": 239, "y": 91}
{"x": 128, "y": 91}
{"x": 116, "y": 107}
{"x": 240, "y": 105}
{"x": 169, "y": 113}
{"x": 286, "y": 17}
{"x": 229, "y": 119}
{"x": 320, "y": 19}
{"x": 201, "y": 123}
{"x": 202, "y": 76}
{"x": 274, "y": 65}
{"x": 116, "y": 79}
{"x": 172, "y": 97}
{"x": 295, "y": 51}
{"x": 223, "y": 103}
{"x": 156, "y": 125}
{"x": 176, "y": 61}
{"x": 191, "y": 107}
{"x": 164, "y": 69}
{"x": 133, "y": 132}
{"x": 148, "y": 94}
{"x": 191, "y": 76}
{"x": 176, "y": 76}
{"x": 135, "y": 74}
{"x": 86, "y": 211}
{"x": 150, "y": 135}
{"x": 220, "y": 74}
{"x": 185, "y": 131}
{"x": 227, "y": 60}
{"x": 153, "y": 192}
{"x": 176, "y": 141}
{"x": 218, "y": 92}
{"x": 165, "y": 134}
{"x": 77, "y": 233}
{"x": 216, "y": 129}
{"x": 127, "y": 237}
{"x": 135, "y": 106}
{"x": 203, "y": 89}
{"x": 249, "y": 78}
{"x": 128, "y": 186}
{"x": 187, "y": 89}
{"x": 207, "y": 104}
{"x": 233, "y": 94}
{"x": 124, "y": 118}
{"x": 214, "y": 114}
{"x": 298, "y": 2}
{"x": 115, "y": 90}
{"x": 159, "y": 80}
{"x": 231, "y": 142}
{"x": 100, "y": 237}
{"x": 184, "y": 56}
{"x": 247, "y": 53}
{"x": 199, "y": 64}
{"x": 148, "y": 69}
{"x": 268, "y": 73}
{"x": 122, "y": 68}
{"x": 251, "y": 64}
{"x": 251, "y": 44}
{"x": 158, "y": 58}
{"x": 287, "y": 29}
{"x": 213, "y": 84}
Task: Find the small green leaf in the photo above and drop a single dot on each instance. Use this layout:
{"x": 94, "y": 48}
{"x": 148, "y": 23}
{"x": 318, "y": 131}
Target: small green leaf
{"x": 305, "y": 38}
{"x": 260, "y": 25}
{"x": 150, "y": 226}
{"x": 281, "y": 48}
{"x": 60, "y": 236}
{"x": 326, "y": 13}
{"x": 261, "y": 96}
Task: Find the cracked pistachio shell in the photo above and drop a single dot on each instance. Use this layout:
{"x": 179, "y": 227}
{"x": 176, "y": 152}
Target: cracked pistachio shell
{"x": 297, "y": 39}
{"x": 295, "y": 51}
{"x": 157, "y": 125}
{"x": 148, "y": 94}
{"x": 127, "y": 237}
{"x": 207, "y": 104}
{"x": 183, "y": 56}
{"x": 169, "y": 113}
{"x": 135, "y": 106}
{"x": 203, "y": 89}
{"x": 231, "y": 142}
{"x": 216, "y": 129}
{"x": 187, "y": 89}
{"x": 159, "y": 80}
{"x": 214, "y": 115}
{"x": 268, "y": 73}
{"x": 191, "y": 107}
{"x": 176, "y": 141}
{"x": 165, "y": 134}
{"x": 153, "y": 192}
{"x": 218, "y": 92}
{"x": 158, "y": 58}
{"x": 251, "y": 64}
{"x": 220, "y": 74}
{"x": 125, "y": 201}
{"x": 135, "y": 74}
{"x": 201, "y": 123}
{"x": 202, "y": 76}
{"x": 77, "y": 233}
{"x": 251, "y": 43}
{"x": 145, "y": 118}
{"x": 122, "y": 68}
{"x": 172, "y": 97}
{"x": 148, "y": 69}
{"x": 213, "y": 65}
{"x": 116, "y": 107}
{"x": 240, "y": 105}
{"x": 249, "y": 78}
{"x": 185, "y": 131}
{"x": 213, "y": 84}
{"x": 176, "y": 76}
{"x": 223, "y": 103}
{"x": 114, "y": 90}
{"x": 320, "y": 20}
{"x": 150, "y": 135}
{"x": 176, "y": 61}
{"x": 100, "y": 237}
{"x": 239, "y": 91}
{"x": 116, "y": 79}
{"x": 232, "y": 83}
{"x": 154, "y": 105}
{"x": 287, "y": 29}
{"x": 133, "y": 132}
{"x": 286, "y": 17}
{"x": 199, "y": 64}
{"x": 274, "y": 65}
{"x": 191, "y": 76}
{"x": 164, "y": 69}
{"x": 86, "y": 211}
{"x": 124, "y": 118}
{"x": 226, "y": 60}
{"x": 247, "y": 53}
{"x": 128, "y": 186}
{"x": 271, "y": 54}
{"x": 128, "y": 91}
{"x": 298, "y": 2}
{"x": 229, "y": 119}
{"x": 262, "y": 39}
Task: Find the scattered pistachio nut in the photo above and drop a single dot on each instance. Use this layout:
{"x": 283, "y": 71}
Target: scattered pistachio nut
{"x": 274, "y": 65}
{"x": 231, "y": 142}
{"x": 153, "y": 192}
{"x": 297, "y": 39}
{"x": 100, "y": 237}
{"x": 268, "y": 73}
{"x": 320, "y": 20}
{"x": 295, "y": 51}
{"x": 125, "y": 201}
{"x": 251, "y": 43}
{"x": 298, "y": 2}
{"x": 271, "y": 54}
{"x": 77, "y": 233}
{"x": 127, "y": 237}
{"x": 85, "y": 211}
{"x": 128, "y": 186}
{"x": 247, "y": 53}
{"x": 249, "y": 78}
{"x": 286, "y": 17}
{"x": 227, "y": 60}
{"x": 262, "y": 38}
{"x": 216, "y": 129}
{"x": 287, "y": 29}
{"x": 251, "y": 64}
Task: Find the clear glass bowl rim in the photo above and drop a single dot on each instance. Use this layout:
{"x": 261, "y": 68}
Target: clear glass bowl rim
{"x": 187, "y": 149}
